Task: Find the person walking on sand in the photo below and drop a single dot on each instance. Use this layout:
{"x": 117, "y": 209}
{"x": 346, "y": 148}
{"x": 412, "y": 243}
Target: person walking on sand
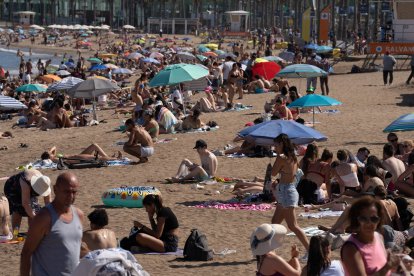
{"x": 287, "y": 197}
{"x": 140, "y": 142}
{"x": 412, "y": 71}
{"x": 388, "y": 62}
{"x": 54, "y": 239}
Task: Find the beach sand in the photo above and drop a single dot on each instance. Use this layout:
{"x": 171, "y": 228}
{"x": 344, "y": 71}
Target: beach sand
{"x": 368, "y": 107}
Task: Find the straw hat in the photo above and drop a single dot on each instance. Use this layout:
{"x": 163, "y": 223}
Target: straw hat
{"x": 266, "y": 238}
{"x": 40, "y": 183}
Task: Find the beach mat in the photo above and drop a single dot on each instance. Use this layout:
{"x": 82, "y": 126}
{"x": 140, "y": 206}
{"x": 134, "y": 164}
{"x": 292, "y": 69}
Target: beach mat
{"x": 328, "y": 111}
{"x": 199, "y": 130}
{"x": 40, "y": 165}
{"x": 321, "y": 214}
{"x": 309, "y": 231}
{"x": 178, "y": 253}
{"x": 239, "y": 108}
{"x": 235, "y": 206}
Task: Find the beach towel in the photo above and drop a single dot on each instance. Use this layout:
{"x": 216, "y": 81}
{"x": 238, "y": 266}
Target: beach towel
{"x": 178, "y": 253}
{"x": 328, "y": 111}
{"x": 41, "y": 165}
{"x": 235, "y": 206}
{"x": 165, "y": 140}
{"x": 239, "y": 108}
{"x": 309, "y": 231}
{"x": 321, "y": 214}
{"x": 198, "y": 130}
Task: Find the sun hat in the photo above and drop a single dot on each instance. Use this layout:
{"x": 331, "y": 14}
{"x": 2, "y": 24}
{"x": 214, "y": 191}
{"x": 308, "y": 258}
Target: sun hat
{"x": 266, "y": 237}
{"x": 40, "y": 183}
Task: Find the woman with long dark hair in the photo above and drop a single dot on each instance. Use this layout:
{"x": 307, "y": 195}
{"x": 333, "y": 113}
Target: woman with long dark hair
{"x": 162, "y": 236}
{"x": 319, "y": 260}
{"x": 287, "y": 197}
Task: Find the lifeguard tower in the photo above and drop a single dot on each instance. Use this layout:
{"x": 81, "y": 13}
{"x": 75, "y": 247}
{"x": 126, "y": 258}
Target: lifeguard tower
{"x": 402, "y": 42}
{"x": 238, "y": 23}
{"x": 24, "y": 18}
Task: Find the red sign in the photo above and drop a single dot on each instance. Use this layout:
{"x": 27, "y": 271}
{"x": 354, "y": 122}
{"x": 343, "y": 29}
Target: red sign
{"x": 393, "y": 48}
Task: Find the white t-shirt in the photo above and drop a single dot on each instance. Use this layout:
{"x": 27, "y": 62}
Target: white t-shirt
{"x": 227, "y": 68}
{"x": 176, "y": 94}
{"x": 335, "y": 269}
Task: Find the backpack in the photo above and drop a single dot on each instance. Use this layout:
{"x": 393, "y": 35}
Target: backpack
{"x": 196, "y": 247}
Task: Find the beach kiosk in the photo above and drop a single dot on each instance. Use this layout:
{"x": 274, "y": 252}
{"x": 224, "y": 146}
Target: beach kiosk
{"x": 24, "y": 18}
{"x": 238, "y": 23}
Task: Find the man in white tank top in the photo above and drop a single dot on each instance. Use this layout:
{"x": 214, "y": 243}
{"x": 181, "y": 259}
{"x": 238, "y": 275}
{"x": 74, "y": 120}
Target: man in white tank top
{"x": 54, "y": 239}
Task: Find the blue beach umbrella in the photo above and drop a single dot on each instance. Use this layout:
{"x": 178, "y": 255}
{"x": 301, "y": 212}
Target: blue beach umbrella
{"x": 301, "y": 71}
{"x": 203, "y": 49}
{"x": 311, "y": 46}
{"x": 403, "y": 123}
{"x": 314, "y": 100}
{"x": 151, "y": 60}
{"x": 288, "y": 56}
{"x": 70, "y": 64}
{"x": 324, "y": 49}
{"x": 274, "y": 58}
{"x": 122, "y": 71}
{"x": 264, "y": 133}
{"x": 98, "y": 67}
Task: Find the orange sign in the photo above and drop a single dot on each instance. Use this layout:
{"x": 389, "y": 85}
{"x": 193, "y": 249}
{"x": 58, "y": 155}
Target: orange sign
{"x": 393, "y": 48}
{"x": 325, "y": 23}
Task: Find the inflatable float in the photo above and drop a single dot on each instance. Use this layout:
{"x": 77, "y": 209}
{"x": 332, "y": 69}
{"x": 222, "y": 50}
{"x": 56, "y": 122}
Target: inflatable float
{"x": 130, "y": 197}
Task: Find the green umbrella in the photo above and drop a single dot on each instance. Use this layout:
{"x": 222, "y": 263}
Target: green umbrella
{"x": 94, "y": 60}
{"x": 178, "y": 73}
{"x": 201, "y": 57}
{"x": 32, "y": 88}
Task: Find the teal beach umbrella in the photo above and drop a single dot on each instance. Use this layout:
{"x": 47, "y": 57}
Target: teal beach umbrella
{"x": 32, "y": 88}
{"x": 177, "y": 73}
{"x": 403, "y": 123}
{"x": 301, "y": 71}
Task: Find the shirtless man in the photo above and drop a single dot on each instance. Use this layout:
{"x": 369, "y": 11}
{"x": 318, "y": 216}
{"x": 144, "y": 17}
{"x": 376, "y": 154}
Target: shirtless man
{"x": 393, "y": 165}
{"x": 140, "y": 142}
{"x": 189, "y": 170}
{"x": 193, "y": 121}
{"x": 98, "y": 237}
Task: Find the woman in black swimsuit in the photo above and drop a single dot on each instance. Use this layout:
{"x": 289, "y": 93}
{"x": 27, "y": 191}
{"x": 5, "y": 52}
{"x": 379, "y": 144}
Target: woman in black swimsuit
{"x": 162, "y": 236}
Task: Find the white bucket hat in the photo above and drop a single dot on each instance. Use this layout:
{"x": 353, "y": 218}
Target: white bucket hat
{"x": 41, "y": 184}
{"x": 266, "y": 237}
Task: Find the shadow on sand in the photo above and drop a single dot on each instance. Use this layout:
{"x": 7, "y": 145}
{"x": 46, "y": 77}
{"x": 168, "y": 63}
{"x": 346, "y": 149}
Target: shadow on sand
{"x": 207, "y": 264}
{"x": 407, "y": 100}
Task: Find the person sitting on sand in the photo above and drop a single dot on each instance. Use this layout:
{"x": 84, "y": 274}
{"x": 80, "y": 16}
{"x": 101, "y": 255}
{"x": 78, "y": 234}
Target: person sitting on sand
{"x": 346, "y": 173}
{"x": 274, "y": 87}
{"x": 6, "y": 234}
{"x": 282, "y": 111}
{"x": 263, "y": 242}
{"x": 140, "y": 143}
{"x": 6, "y": 135}
{"x": 256, "y": 86}
{"x": 398, "y": 148}
{"x": 393, "y": 165}
{"x": 166, "y": 119}
{"x": 162, "y": 236}
{"x": 98, "y": 237}
{"x": 190, "y": 171}
{"x": 151, "y": 125}
{"x": 92, "y": 152}
{"x": 408, "y": 147}
{"x": 192, "y": 121}
{"x": 405, "y": 181}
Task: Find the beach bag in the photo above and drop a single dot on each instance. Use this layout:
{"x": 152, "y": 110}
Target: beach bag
{"x": 196, "y": 247}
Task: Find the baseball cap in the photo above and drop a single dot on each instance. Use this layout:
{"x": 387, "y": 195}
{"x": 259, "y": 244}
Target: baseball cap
{"x": 200, "y": 144}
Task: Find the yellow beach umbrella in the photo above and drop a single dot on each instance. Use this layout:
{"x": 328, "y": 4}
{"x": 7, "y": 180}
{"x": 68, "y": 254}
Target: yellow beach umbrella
{"x": 106, "y": 55}
{"x": 212, "y": 46}
{"x": 259, "y": 60}
{"x": 50, "y": 78}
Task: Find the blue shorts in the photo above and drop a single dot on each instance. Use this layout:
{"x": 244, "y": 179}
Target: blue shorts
{"x": 287, "y": 195}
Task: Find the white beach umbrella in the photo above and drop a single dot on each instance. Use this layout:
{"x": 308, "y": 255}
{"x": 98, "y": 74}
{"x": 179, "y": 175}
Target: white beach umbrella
{"x": 64, "y": 27}
{"x": 52, "y": 26}
{"x": 58, "y": 26}
{"x": 8, "y": 103}
{"x": 64, "y": 84}
{"x": 62, "y": 73}
{"x": 128, "y": 27}
{"x": 105, "y": 27}
{"x": 84, "y": 27}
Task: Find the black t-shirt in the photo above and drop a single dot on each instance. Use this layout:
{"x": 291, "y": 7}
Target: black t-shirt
{"x": 171, "y": 221}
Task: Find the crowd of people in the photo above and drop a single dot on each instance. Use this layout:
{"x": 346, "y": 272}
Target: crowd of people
{"x": 368, "y": 189}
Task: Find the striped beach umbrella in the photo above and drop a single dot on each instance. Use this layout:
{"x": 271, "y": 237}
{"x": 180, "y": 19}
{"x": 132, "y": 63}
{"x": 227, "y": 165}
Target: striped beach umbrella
{"x": 8, "y": 103}
{"x": 403, "y": 123}
{"x": 64, "y": 84}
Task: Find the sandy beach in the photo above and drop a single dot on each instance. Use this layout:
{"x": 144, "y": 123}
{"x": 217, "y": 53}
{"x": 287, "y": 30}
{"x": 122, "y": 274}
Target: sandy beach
{"x": 368, "y": 107}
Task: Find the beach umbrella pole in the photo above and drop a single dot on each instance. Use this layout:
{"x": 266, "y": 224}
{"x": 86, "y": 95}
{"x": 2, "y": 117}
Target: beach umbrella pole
{"x": 313, "y": 117}
{"x": 95, "y": 117}
{"x": 179, "y": 89}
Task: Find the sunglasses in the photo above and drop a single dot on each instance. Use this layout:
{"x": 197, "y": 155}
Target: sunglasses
{"x": 373, "y": 219}
{"x": 393, "y": 140}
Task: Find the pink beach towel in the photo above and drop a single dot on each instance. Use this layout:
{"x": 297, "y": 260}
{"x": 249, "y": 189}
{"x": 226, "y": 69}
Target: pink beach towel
{"x": 235, "y": 206}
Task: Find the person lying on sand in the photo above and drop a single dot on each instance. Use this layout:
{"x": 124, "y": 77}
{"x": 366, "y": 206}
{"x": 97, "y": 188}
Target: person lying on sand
{"x": 243, "y": 186}
{"x": 140, "y": 142}
{"x": 190, "y": 171}
{"x": 192, "y": 121}
{"x": 92, "y": 152}
{"x": 98, "y": 237}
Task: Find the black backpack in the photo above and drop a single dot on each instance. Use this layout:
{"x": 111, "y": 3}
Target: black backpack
{"x": 196, "y": 247}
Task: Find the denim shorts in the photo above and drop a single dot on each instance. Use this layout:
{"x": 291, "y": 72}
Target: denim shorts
{"x": 287, "y": 195}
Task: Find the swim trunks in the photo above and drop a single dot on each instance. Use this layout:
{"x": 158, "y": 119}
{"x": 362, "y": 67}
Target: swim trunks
{"x": 147, "y": 151}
